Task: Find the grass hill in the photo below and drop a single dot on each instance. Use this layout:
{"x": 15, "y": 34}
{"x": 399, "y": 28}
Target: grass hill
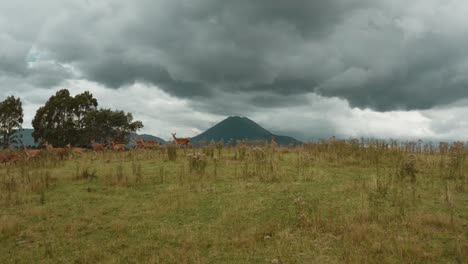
{"x": 340, "y": 205}
{"x": 238, "y": 128}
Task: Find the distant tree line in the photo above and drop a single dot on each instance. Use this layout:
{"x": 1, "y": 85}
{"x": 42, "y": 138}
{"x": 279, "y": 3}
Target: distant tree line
{"x": 66, "y": 119}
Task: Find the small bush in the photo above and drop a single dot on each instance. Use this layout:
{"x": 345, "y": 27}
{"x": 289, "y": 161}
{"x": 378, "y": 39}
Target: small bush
{"x": 197, "y": 163}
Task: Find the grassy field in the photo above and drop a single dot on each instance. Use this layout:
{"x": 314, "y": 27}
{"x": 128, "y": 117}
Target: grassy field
{"x": 321, "y": 203}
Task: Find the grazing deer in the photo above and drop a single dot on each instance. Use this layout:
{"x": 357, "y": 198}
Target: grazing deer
{"x": 146, "y": 144}
{"x": 75, "y": 150}
{"x": 61, "y": 152}
{"x": 118, "y": 146}
{"x": 150, "y": 143}
{"x": 97, "y": 147}
{"x": 13, "y": 158}
{"x": 31, "y": 153}
{"x": 3, "y": 159}
{"x": 180, "y": 141}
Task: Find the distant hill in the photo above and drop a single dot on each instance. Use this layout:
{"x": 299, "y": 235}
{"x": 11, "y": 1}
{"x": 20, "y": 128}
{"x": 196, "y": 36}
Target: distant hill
{"x": 28, "y": 140}
{"x": 26, "y": 137}
{"x": 239, "y": 128}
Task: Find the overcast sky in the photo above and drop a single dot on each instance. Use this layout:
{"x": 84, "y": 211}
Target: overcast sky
{"x": 309, "y": 69}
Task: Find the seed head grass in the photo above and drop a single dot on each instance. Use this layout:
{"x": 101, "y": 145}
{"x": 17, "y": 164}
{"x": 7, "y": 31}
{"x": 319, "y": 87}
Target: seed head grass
{"x": 354, "y": 201}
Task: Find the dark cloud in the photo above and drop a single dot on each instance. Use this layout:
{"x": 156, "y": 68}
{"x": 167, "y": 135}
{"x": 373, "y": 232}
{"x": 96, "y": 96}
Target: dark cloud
{"x": 12, "y": 56}
{"x": 384, "y": 55}
{"x": 114, "y": 72}
{"x": 273, "y": 101}
{"x": 421, "y": 75}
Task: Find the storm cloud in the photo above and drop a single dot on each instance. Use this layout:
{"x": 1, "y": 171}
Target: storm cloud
{"x": 246, "y": 57}
{"x": 384, "y": 55}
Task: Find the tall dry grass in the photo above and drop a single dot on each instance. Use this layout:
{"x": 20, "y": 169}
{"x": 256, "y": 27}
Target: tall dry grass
{"x": 341, "y": 201}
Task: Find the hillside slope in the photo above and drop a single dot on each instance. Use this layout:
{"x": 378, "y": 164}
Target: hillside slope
{"x": 239, "y": 128}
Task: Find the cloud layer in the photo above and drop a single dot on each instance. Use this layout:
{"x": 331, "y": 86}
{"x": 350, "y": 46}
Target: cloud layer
{"x": 373, "y": 59}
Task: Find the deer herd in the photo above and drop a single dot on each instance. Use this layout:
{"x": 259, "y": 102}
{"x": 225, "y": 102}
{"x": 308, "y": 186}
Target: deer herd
{"x": 70, "y": 150}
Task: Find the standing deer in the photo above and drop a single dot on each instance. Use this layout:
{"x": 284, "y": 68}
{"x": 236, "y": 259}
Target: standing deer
{"x": 118, "y": 146}
{"x": 180, "y": 141}
{"x": 146, "y": 144}
{"x": 96, "y": 146}
{"x": 9, "y": 159}
{"x": 61, "y": 152}
{"x": 75, "y": 150}
{"x": 3, "y": 159}
{"x": 31, "y": 153}
{"x": 13, "y": 158}
{"x": 151, "y": 144}
{"x": 139, "y": 144}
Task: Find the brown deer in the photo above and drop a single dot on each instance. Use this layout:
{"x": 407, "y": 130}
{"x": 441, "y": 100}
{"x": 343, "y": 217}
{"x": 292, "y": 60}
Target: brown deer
{"x": 13, "y": 158}
{"x": 97, "y": 147}
{"x": 139, "y": 144}
{"x": 3, "y": 159}
{"x": 180, "y": 141}
{"x": 31, "y": 153}
{"x": 61, "y": 152}
{"x": 151, "y": 144}
{"x": 75, "y": 150}
{"x": 118, "y": 146}
{"x": 146, "y": 144}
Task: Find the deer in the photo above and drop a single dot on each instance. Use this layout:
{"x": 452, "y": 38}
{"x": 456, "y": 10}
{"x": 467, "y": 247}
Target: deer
{"x": 3, "y": 159}
{"x": 96, "y": 146}
{"x": 118, "y": 146}
{"x": 149, "y": 143}
{"x": 180, "y": 141}
{"x": 139, "y": 144}
{"x": 13, "y": 158}
{"x": 75, "y": 150}
{"x": 31, "y": 153}
{"x": 9, "y": 159}
{"x": 56, "y": 151}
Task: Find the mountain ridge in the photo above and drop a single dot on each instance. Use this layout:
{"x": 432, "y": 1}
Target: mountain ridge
{"x": 27, "y": 139}
{"x": 239, "y": 128}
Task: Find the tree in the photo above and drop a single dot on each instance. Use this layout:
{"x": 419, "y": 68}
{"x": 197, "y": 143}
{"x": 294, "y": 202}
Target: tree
{"x": 65, "y": 119}
{"x": 60, "y": 120}
{"x": 106, "y": 125}
{"x": 11, "y": 120}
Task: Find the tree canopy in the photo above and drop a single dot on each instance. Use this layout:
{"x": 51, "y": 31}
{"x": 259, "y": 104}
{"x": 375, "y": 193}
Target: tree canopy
{"x": 106, "y": 125}
{"x": 76, "y": 120}
{"x": 11, "y": 120}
